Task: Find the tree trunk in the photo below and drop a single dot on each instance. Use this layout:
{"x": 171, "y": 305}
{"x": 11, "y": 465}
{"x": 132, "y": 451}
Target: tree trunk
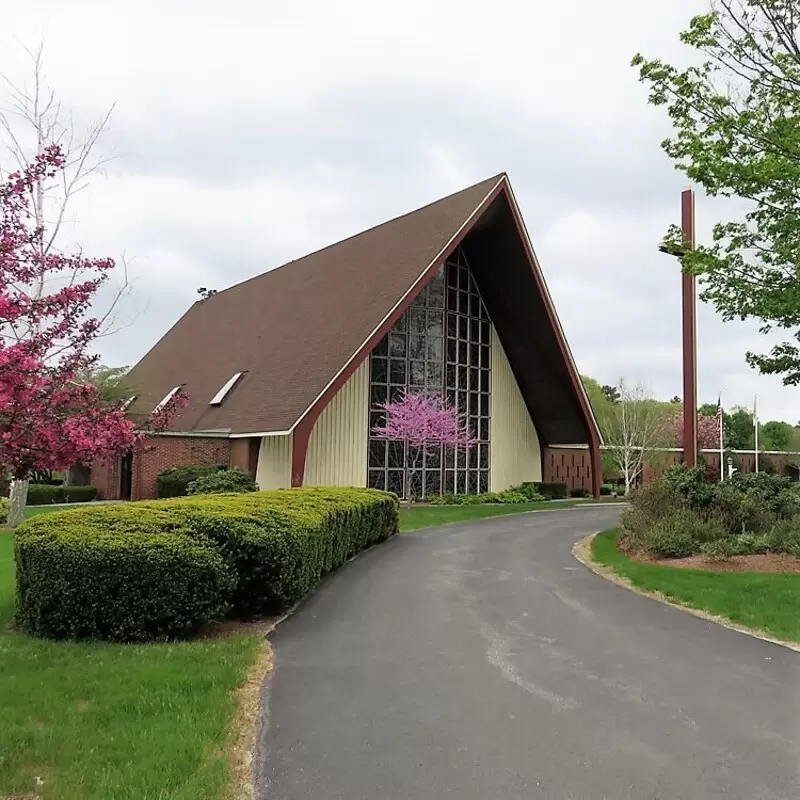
{"x": 18, "y": 498}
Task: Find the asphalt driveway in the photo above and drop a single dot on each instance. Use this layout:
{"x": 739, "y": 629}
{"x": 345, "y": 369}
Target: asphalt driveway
{"x": 481, "y": 661}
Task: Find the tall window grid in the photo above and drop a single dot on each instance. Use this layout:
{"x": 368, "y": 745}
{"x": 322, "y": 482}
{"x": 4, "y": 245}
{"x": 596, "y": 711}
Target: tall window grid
{"x": 442, "y": 344}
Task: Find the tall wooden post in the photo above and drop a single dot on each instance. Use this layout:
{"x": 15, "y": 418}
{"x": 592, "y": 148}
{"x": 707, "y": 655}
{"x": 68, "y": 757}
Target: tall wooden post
{"x": 689, "y": 306}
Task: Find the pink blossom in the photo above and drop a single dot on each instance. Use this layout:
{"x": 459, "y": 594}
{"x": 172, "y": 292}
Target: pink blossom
{"x": 49, "y": 418}
{"x": 707, "y": 431}
{"x": 424, "y": 419}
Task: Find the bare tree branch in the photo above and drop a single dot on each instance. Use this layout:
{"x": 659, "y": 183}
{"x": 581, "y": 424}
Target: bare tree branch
{"x": 31, "y": 119}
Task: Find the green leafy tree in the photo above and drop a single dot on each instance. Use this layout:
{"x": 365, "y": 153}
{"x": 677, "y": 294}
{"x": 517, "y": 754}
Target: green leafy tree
{"x": 738, "y": 428}
{"x": 775, "y": 435}
{"x": 736, "y": 117}
{"x": 110, "y": 382}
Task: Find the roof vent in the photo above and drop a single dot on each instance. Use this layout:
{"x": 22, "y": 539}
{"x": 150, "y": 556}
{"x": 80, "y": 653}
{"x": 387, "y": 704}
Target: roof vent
{"x": 170, "y": 394}
{"x": 217, "y": 399}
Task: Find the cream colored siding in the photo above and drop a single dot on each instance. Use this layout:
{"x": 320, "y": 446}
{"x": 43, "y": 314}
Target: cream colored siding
{"x": 274, "y": 463}
{"x": 337, "y": 449}
{"x": 515, "y": 455}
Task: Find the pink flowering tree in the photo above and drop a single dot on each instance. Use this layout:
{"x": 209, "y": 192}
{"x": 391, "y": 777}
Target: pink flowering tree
{"x": 424, "y": 422}
{"x": 50, "y": 416}
{"x": 707, "y": 431}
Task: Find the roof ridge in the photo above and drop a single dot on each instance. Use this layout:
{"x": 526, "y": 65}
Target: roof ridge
{"x": 493, "y": 179}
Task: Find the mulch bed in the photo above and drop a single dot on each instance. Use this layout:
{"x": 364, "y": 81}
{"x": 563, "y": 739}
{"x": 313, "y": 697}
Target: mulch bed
{"x": 231, "y": 627}
{"x": 771, "y": 562}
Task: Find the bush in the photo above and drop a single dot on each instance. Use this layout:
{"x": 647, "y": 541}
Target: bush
{"x": 506, "y": 497}
{"x": 175, "y": 482}
{"x": 117, "y": 576}
{"x": 649, "y": 504}
{"x": 580, "y": 491}
{"x": 740, "y": 511}
{"x": 280, "y": 544}
{"x": 785, "y": 537}
{"x": 749, "y": 544}
{"x": 224, "y": 481}
{"x": 663, "y": 541}
{"x": 42, "y": 494}
{"x": 720, "y": 549}
{"x": 690, "y": 483}
{"x": 268, "y": 549}
{"x": 5, "y": 507}
{"x": 745, "y": 544}
{"x": 550, "y": 491}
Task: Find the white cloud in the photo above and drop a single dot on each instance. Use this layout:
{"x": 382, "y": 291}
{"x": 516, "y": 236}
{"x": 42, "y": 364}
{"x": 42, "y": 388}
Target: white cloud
{"x": 252, "y": 133}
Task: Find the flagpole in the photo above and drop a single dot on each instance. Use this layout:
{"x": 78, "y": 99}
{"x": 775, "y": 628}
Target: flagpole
{"x": 721, "y": 441}
{"x": 755, "y": 427}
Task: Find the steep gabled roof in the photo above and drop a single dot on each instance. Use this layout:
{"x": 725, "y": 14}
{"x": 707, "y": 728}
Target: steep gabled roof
{"x": 298, "y": 332}
{"x": 291, "y": 330}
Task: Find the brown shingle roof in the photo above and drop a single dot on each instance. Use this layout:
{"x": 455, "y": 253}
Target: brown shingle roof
{"x": 293, "y": 329}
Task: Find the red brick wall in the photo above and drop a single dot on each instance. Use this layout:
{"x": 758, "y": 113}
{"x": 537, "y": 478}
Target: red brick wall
{"x": 158, "y": 453}
{"x": 105, "y": 476}
{"x": 567, "y": 465}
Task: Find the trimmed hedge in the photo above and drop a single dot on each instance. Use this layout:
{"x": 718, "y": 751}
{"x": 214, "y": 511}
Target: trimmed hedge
{"x": 120, "y": 577}
{"x": 42, "y": 494}
{"x": 281, "y": 543}
{"x": 174, "y": 482}
{"x": 269, "y": 549}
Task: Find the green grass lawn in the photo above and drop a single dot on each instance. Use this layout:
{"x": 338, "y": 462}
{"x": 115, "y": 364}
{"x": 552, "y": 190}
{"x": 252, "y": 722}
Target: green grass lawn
{"x": 765, "y": 601}
{"x": 101, "y": 721}
{"x": 417, "y": 517}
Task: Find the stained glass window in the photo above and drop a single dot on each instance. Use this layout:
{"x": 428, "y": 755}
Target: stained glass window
{"x": 440, "y": 344}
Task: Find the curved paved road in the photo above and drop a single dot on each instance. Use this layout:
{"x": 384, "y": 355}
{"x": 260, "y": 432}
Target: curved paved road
{"x": 482, "y": 661}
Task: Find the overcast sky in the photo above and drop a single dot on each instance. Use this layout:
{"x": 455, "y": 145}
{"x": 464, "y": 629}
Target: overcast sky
{"x": 249, "y": 133}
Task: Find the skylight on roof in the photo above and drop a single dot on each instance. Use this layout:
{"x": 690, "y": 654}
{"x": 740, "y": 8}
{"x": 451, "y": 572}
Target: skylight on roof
{"x": 127, "y": 404}
{"x": 170, "y": 394}
{"x": 217, "y": 399}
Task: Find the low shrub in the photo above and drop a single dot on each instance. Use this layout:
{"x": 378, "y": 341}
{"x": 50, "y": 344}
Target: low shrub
{"x": 649, "y": 504}
{"x": 580, "y": 491}
{"x": 269, "y": 548}
{"x": 785, "y": 537}
{"x": 745, "y": 544}
{"x": 750, "y": 544}
{"x": 506, "y": 497}
{"x": 720, "y": 549}
{"x": 116, "y": 576}
{"x": 678, "y": 535}
{"x": 174, "y": 482}
{"x": 223, "y": 481}
{"x": 741, "y": 511}
{"x": 5, "y": 507}
{"x": 42, "y": 494}
{"x": 550, "y": 491}
{"x": 665, "y": 542}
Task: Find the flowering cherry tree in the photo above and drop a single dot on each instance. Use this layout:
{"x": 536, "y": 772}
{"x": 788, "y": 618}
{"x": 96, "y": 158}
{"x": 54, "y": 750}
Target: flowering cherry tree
{"x": 707, "y": 431}
{"x": 423, "y": 421}
{"x": 50, "y": 417}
